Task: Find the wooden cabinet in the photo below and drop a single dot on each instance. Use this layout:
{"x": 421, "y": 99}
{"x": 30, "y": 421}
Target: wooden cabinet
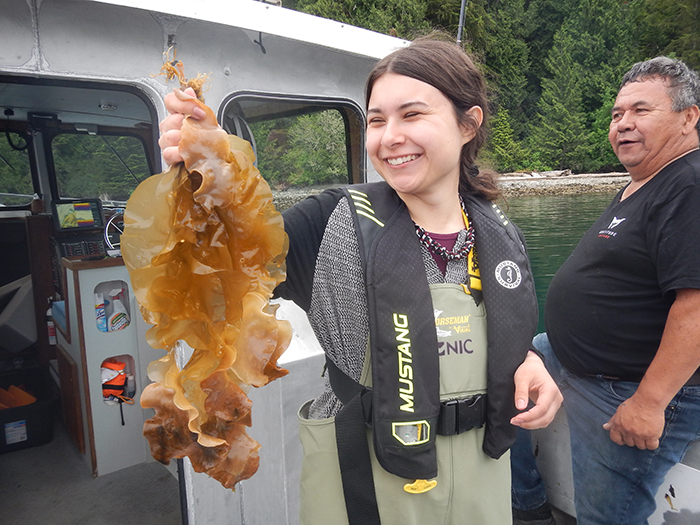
{"x": 70, "y": 397}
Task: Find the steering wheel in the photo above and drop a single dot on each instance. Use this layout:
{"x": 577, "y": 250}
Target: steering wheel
{"x": 114, "y": 229}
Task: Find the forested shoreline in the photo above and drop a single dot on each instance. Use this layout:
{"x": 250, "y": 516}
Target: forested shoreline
{"x": 553, "y": 66}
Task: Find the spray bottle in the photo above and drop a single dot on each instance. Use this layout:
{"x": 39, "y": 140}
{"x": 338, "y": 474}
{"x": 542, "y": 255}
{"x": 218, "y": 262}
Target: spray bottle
{"x": 118, "y": 319}
{"x": 100, "y": 315}
{"x": 51, "y": 327}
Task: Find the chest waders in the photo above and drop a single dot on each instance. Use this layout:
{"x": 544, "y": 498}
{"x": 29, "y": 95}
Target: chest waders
{"x": 404, "y": 407}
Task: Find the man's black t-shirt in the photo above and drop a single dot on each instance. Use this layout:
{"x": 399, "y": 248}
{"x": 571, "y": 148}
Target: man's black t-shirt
{"x": 606, "y": 307}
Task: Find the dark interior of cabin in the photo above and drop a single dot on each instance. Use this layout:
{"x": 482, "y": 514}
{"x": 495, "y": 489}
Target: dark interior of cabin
{"x": 50, "y": 459}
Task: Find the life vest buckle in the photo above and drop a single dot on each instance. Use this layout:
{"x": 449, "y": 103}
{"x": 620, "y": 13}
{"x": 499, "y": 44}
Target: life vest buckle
{"x": 461, "y": 415}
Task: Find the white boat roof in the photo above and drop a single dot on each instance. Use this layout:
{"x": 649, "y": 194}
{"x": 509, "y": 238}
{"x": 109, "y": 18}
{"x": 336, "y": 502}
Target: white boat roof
{"x": 270, "y": 19}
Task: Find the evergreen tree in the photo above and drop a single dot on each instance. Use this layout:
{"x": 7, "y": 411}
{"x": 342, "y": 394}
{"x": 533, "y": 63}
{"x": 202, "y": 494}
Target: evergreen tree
{"x": 506, "y": 152}
{"x": 604, "y": 36}
{"x": 600, "y": 155}
{"x": 559, "y": 132}
{"x": 671, "y": 27}
{"x": 402, "y": 18}
{"x": 271, "y": 141}
{"x": 546, "y": 17}
{"x": 98, "y": 166}
{"x": 444, "y": 15}
{"x": 302, "y": 151}
{"x": 507, "y": 58}
{"x": 317, "y": 153}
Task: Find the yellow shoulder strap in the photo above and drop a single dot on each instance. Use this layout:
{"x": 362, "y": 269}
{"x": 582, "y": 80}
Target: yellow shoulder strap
{"x": 472, "y": 262}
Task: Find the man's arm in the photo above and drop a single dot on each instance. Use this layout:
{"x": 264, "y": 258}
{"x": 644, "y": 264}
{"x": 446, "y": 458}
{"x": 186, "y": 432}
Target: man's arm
{"x": 639, "y": 421}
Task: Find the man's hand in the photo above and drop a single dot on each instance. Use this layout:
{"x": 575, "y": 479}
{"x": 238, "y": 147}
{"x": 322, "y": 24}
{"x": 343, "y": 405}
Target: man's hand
{"x": 635, "y": 425}
{"x": 639, "y": 421}
{"x": 534, "y": 382}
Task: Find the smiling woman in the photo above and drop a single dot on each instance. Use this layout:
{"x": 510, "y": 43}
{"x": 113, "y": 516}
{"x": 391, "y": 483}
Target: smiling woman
{"x": 462, "y": 84}
{"x": 415, "y": 141}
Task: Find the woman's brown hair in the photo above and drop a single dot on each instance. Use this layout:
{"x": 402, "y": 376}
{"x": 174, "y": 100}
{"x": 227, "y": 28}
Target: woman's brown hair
{"x": 450, "y": 70}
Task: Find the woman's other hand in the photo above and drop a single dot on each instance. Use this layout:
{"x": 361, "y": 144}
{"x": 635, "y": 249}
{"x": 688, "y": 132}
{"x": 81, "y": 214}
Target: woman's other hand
{"x": 534, "y": 382}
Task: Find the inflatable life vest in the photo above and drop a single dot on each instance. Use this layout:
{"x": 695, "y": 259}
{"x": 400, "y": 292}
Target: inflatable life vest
{"x": 113, "y": 374}
{"x": 400, "y": 313}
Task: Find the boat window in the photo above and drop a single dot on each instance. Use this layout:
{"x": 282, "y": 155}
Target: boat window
{"x": 302, "y": 146}
{"x": 108, "y": 167}
{"x": 16, "y": 187}
{"x": 305, "y": 150}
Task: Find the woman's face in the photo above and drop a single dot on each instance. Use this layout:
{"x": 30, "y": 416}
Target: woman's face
{"x": 413, "y": 138}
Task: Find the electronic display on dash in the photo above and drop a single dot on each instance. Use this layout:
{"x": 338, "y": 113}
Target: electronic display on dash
{"x": 78, "y": 215}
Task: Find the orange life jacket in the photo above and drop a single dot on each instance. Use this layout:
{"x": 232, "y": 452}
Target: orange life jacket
{"x": 113, "y": 377}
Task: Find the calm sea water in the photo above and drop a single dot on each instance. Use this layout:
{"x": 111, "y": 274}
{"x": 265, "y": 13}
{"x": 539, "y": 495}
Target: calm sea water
{"x": 553, "y": 225}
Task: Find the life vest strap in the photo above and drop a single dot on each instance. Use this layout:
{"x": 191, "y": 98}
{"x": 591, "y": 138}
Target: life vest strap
{"x": 346, "y": 388}
{"x": 356, "y": 464}
{"x": 353, "y": 453}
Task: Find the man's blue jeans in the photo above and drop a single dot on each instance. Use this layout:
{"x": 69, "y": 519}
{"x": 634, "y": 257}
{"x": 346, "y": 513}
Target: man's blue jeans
{"x": 613, "y": 484}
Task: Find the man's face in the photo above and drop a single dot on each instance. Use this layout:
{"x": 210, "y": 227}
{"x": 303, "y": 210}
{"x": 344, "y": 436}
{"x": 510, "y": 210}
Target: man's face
{"x": 645, "y": 133}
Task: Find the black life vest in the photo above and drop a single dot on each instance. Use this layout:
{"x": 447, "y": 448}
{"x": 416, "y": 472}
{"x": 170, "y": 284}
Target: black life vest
{"x": 402, "y": 332}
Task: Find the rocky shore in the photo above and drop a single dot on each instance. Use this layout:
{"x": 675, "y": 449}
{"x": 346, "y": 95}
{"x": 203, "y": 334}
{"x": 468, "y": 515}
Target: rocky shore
{"x": 512, "y": 184}
{"x": 562, "y": 183}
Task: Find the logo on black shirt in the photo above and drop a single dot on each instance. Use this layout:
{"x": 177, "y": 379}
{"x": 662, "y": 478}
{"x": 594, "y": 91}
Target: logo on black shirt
{"x": 613, "y": 224}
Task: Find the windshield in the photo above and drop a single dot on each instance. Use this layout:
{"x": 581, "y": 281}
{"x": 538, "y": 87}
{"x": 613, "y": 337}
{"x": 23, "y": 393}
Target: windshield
{"x": 107, "y": 167}
{"x": 15, "y": 174}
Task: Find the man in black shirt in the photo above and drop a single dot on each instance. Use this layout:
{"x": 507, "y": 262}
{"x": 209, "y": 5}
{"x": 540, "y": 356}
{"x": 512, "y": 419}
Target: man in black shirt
{"x": 623, "y": 314}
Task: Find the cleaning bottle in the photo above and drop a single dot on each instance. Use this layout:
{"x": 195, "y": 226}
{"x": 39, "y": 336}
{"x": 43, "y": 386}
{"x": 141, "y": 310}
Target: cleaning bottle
{"x": 51, "y": 327}
{"x": 100, "y": 315}
{"x": 119, "y": 318}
